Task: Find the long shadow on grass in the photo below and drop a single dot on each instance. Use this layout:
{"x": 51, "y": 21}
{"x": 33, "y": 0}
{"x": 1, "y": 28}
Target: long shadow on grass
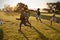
{"x": 50, "y": 26}
{"x": 24, "y": 35}
{"x": 40, "y": 34}
{"x": 1, "y": 34}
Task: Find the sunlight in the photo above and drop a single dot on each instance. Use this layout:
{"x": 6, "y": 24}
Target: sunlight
{"x": 32, "y": 4}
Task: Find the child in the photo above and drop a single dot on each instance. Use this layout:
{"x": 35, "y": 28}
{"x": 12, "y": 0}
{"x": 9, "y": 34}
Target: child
{"x": 53, "y": 16}
{"x": 38, "y": 17}
{"x": 27, "y": 17}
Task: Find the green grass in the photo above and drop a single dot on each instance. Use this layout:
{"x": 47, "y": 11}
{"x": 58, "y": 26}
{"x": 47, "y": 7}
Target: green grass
{"x": 39, "y": 31}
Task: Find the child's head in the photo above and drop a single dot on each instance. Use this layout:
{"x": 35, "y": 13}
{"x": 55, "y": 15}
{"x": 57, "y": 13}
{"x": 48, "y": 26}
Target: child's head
{"x": 38, "y": 9}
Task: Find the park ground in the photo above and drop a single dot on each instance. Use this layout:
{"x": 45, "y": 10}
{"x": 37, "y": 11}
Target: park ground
{"x": 39, "y": 31}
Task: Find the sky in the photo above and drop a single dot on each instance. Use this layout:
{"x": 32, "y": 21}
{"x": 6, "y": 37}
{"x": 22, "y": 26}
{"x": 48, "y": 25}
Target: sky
{"x": 32, "y": 4}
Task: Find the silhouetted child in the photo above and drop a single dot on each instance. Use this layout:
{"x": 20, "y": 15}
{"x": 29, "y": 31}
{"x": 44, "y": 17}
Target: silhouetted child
{"x": 38, "y": 17}
{"x": 24, "y": 18}
{"x": 27, "y": 18}
{"x": 53, "y": 15}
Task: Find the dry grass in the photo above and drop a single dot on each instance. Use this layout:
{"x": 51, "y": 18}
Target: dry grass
{"x": 39, "y": 31}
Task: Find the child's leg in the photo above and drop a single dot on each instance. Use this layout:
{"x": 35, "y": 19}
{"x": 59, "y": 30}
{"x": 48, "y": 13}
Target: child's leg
{"x": 51, "y": 21}
{"x": 21, "y": 24}
{"x": 40, "y": 19}
{"x": 28, "y": 22}
{"x": 55, "y": 19}
{"x": 24, "y": 22}
{"x": 37, "y": 18}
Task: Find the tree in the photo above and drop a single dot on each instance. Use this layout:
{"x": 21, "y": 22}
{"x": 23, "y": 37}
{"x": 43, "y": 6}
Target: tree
{"x": 20, "y": 6}
{"x": 57, "y": 4}
{"x": 7, "y": 8}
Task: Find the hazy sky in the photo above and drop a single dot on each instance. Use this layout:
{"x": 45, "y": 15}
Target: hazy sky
{"x": 32, "y": 4}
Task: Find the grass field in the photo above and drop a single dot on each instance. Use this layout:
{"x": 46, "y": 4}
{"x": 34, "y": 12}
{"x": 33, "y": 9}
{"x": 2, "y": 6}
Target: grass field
{"x": 39, "y": 31}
